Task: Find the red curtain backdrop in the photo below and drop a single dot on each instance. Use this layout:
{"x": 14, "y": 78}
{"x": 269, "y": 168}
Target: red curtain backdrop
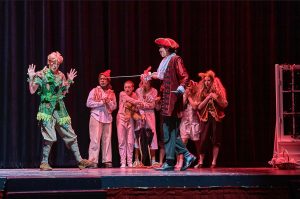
{"x": 240, "y": 40}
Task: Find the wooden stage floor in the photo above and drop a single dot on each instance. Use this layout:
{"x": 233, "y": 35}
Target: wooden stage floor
{"x": 72, "y": 179}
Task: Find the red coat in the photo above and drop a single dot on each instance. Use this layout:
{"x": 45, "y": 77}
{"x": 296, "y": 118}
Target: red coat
{"x": 174, "y": 76}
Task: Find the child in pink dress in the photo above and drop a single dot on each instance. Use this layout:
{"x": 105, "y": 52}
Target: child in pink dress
{"x": 190, "y": 123}
{"x": 148, "y": 96}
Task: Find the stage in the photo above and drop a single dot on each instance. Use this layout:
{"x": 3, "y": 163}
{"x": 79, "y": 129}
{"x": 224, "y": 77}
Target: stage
{"x": 148, "y": 183}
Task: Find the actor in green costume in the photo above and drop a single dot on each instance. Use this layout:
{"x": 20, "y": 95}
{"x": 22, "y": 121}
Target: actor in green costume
{"x": 51, "y": 85}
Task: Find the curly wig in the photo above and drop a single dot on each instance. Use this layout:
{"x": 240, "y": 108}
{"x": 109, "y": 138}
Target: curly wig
{"x": 56, "y": 56}
{"x": 217, "y": 86}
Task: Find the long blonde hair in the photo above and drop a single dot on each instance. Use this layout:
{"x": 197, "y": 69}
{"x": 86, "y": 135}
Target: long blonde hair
{"x": 216, "y": 87}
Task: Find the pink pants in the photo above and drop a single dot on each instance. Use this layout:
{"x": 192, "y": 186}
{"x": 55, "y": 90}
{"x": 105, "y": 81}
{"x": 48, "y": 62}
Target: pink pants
{"x": 100, "y": 132}
{"x": 125, "y": 128}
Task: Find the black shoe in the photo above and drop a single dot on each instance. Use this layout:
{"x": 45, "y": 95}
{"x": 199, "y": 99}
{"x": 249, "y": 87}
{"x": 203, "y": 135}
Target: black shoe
{"x": 165, "y": 167}
{"x": 188, "y": 160}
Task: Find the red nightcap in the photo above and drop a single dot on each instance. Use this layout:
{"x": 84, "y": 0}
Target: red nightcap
{"x": 106, "y": 73}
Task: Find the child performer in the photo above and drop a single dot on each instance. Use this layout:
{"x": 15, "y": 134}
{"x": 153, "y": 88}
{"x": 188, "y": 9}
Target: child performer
{"x": 190, "y": 124}
{"x": 147, "y": 95}
{"x": 102, "y": 101}
{"x": 128, "y": 102}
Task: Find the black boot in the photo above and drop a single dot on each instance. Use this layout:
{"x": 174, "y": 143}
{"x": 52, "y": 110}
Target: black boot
{"x": 188, "y": 160}
{"x": 167, "y": 166}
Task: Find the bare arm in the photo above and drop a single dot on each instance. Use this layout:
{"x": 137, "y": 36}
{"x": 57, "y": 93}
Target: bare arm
{"x": 204, "y": 102}
{"x": 150, "y": 100}
{"x": 193, "y": 103}
{"x": 31, "y": 73}
{"x": 220, "y": 100}
{"x": 67, "y": 82}
{"x": 126, "y": 98}
{"x": 154, "y": 75}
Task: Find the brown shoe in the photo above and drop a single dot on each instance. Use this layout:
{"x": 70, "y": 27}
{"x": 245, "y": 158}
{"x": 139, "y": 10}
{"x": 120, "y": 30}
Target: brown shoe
{"x": 84, "y": 163}
{"x": 107, "y": 165}
{"x": 45, "y": 167}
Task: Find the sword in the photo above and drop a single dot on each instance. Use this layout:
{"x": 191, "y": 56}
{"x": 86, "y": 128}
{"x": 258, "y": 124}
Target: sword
{"x": 146, "y": 76}
{"x": 124, "y": 76}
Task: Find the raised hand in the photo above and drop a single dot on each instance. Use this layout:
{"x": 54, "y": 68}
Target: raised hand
{"x": 72, "y": 74}
{"x": 31, "y": 71}
{"x": 154, "y": 75}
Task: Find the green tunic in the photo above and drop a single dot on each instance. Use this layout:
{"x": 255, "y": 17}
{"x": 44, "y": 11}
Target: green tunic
{"x": 52, "y": 90}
